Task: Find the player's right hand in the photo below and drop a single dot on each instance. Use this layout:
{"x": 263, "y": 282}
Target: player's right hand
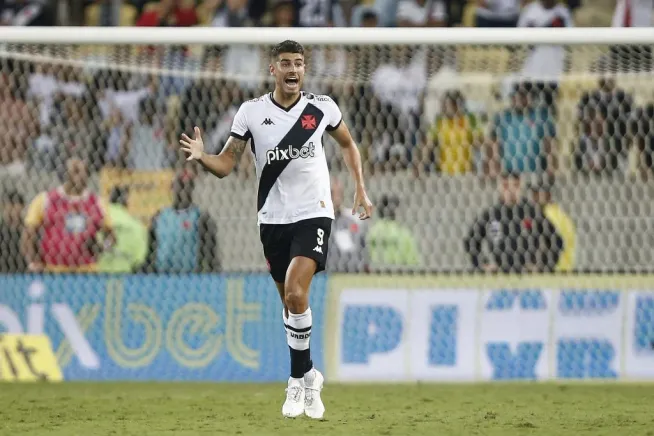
{"x": 194, "y": 147}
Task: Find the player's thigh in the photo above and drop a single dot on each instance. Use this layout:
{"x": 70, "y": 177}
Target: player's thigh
{"x": 310, "y": 243}
{"x": 299, "y": 275}
{"x": 276, "y": 241}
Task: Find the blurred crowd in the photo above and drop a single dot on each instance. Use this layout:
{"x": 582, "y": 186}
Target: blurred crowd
{"x": 305, "y": 13}
{"x": 400, "y": 114}
{"x": 54, "y": 112}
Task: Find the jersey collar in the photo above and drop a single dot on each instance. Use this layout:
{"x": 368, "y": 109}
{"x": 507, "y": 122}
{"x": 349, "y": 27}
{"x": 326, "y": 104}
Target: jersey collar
{"x": 286, "y": 109}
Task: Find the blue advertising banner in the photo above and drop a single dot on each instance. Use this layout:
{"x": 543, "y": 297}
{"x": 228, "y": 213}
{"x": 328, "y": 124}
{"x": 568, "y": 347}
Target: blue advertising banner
{"x": 491, "y": 328}
{"x": 149, "y": 327}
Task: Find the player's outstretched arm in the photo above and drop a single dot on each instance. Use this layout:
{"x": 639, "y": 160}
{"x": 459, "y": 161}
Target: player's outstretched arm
{"x": 352, "y": 159}
{"x": 220, "y": 165}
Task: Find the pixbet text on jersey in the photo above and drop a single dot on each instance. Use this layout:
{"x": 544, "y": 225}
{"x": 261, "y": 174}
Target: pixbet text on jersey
{"x": 289, "y": 153}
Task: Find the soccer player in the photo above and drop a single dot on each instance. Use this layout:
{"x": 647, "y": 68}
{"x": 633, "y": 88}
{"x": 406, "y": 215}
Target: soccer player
{"x": 294, "y": 204}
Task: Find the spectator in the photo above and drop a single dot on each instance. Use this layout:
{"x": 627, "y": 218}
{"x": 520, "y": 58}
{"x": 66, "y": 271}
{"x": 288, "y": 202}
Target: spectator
{"x": 11, "y": 228}
{"x": 62, "y": 225}
{"x": 518, "y": 236}
{"x": 545, "y": 61}
{"x": 168, "y": 13}
{"x": 314, "y": 13}
{"x": 182, "y": 237}
{"x": 421, "y": 13}
{"x": 390, "y": 245}
{"x": 283, "y": 14}
{"x": 48, "y": 85}
{"x": 118, "y": 140}
{"x": 109, "y": 13}
{"x": 522, "y": 138}
{"x": 398, "y": 88}
{"x": 497, "y": 13}
{"x": 455, "y": 135}
{"x": 201, "y": 104}
{"x": 76, "y": 133}
{"x": 122, "y": 93}
{"x": 611, "y": 100}
{"x": 602, "y": 116}
{"x": 149, "y": 147}
{"x": 346, "y": 248}
{"x": 541, "y": 195}
{"x": 598, "y": 152}
{"x": 225, "y": 13}
{"x": 213, "y": 105}
{"x": 17, "y": 126}
{"x": 642, "y": 129}
{"x": 26, "y": 13}
{"x": 131, "y": 247}
{"x": 369, "y": 18}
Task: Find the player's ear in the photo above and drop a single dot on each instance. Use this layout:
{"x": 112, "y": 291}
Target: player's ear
{"x": 271, "y": 69}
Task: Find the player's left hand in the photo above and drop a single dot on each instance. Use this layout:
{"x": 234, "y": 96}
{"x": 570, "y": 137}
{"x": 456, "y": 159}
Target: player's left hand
{"x": 361, "y": 200}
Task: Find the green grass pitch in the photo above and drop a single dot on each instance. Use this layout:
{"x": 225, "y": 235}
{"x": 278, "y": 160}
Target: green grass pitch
{"x": 355, "y": 410}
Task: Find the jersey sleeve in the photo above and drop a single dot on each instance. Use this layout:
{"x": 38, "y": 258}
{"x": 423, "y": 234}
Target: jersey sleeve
{"x": 240, "y": 129}
{"x": 333, "y": 114}
{"x": 35, "y": 211}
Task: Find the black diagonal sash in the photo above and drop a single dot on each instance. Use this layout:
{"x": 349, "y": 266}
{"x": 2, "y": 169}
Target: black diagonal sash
{"x": 296, "y": 138}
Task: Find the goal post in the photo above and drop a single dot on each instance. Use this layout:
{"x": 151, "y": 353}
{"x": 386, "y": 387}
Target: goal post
{"x": 330, "y": 36}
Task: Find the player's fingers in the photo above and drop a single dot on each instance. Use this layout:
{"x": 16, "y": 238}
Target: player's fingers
{"x": 185, "y": 143}
{"x": 186, "y": 149}
{"x": 197, "y": 132}
{"x": 189, "y": 158}
{"x": 186, "y": 138}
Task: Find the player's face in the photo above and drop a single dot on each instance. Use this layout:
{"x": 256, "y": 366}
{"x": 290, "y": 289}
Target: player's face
{"x": 288, "y": 70}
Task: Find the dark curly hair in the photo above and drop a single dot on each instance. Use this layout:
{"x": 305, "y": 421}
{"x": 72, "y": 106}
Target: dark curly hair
{"x": 287, "y": 46}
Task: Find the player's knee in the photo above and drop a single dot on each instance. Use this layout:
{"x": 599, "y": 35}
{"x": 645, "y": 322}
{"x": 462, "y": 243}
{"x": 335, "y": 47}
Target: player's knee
{"x": 296, "y": 298}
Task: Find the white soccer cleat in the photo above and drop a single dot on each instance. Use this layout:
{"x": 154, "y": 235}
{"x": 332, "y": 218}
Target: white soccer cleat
{"x": 294, "y": 404}
{"x": 313, "y": 406}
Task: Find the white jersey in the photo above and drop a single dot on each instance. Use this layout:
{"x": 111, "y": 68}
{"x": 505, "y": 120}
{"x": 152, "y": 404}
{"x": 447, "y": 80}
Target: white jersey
{"x": 292, "y": 171}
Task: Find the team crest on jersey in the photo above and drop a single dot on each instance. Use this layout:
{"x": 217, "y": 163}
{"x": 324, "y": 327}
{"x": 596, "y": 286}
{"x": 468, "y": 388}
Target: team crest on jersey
{"x": 308, "y": 122}
{"x": 75, "y": 223}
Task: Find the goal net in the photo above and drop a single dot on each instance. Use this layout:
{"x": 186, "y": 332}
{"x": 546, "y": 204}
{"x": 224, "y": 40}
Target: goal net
{"x": 523, "y": 156}
{"x": 436, "y": 126}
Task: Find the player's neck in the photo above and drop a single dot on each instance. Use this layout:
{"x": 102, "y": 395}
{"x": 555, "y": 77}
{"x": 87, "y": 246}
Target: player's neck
{"x": 285, "y": 100}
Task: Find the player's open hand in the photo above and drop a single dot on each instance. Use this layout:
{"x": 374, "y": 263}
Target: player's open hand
{"x": 361, "y": 200}
{"x": 194, "y": 147}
